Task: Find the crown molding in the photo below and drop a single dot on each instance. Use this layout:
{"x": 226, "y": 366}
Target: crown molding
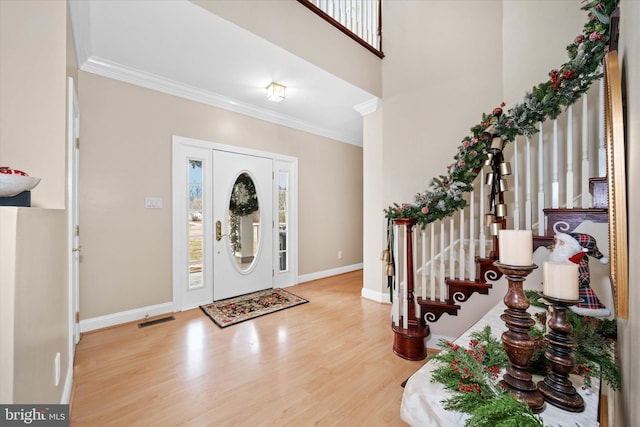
{"x": 368, "y": 107}
{"x": 112, "y": 70}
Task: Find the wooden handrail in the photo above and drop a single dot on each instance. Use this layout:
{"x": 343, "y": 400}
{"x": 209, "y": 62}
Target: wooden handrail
{"x": 376, "y": 50}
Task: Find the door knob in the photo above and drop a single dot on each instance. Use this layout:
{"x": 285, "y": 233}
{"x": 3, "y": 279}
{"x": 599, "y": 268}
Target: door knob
{"x": 78, "y": 249}
{"x": 218, "y": 230}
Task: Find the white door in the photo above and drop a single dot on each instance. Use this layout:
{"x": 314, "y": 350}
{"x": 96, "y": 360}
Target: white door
{"x": 243, "y": 224}
{"x": 73, "y": 211}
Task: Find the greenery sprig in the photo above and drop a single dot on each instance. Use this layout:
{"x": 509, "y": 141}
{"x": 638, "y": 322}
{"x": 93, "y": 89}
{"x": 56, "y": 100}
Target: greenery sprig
{"x": 565, "y": 86}
{"x": 472, "y": 374}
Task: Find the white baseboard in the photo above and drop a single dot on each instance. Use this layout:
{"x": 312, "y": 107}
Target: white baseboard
{"x": 68, "y": 385}
{"x": 328, "y": 273}
{"x": 382, "y": 297}
{"x": 125, "y": 316}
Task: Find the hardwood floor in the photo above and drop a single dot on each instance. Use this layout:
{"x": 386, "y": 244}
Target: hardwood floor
{"x": 329, "y": 362}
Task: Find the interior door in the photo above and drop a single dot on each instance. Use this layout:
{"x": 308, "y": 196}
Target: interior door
{"x": 243, "y": 224}
{"x": 73, "y": 210}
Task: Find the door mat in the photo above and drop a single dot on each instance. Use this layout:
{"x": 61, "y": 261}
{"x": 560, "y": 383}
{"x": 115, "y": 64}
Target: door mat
{"x": 234, "y": 310}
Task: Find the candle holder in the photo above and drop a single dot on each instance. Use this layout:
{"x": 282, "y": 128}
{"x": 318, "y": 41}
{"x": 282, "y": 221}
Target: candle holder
{"x": 557, "y": 388}
{"x": 516, "y": 340}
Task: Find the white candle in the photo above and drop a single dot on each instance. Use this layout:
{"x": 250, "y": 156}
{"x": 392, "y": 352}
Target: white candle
{"x": 516, "y": 247}
{"x": 560, "y": 280}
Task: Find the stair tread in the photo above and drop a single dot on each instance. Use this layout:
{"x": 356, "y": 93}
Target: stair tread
{"x": 468, "y": 283}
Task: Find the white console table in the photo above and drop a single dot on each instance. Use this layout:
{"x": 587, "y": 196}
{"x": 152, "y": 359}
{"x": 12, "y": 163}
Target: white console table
{"x": 422, "y": 399}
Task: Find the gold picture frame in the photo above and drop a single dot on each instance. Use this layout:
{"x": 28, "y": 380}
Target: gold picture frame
{"x": 616, "y": 183}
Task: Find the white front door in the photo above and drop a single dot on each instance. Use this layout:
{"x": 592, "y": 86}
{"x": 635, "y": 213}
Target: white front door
{"x": 243, "y": 224}
{"x": 73, "y": 211}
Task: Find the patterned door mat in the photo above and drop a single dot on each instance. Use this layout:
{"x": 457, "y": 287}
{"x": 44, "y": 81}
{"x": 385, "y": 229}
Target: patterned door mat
{"x": 234, "y": 310}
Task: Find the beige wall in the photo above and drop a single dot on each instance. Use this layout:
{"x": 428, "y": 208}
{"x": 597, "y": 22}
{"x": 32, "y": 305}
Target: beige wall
{"x": 34, "y": 249}
{"x": 34, "y": 322}
{"x": 292, "y": 26}
{"x": 32, "y": 102}
{"x": 434, "y": 91}
{"x": 628, "y": 412}
{"x": 126, "y": 155}
{"x": 529, "y": 53}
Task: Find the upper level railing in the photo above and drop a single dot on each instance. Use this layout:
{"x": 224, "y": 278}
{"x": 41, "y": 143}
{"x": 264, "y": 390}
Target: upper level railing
{"x": 359, "y": 19}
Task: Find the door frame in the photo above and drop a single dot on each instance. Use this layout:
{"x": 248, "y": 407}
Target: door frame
{"x": 73, "y": 231}
{"x": 180, "y": 239}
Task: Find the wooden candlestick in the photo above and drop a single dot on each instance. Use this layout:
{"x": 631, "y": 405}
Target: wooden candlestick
{"x": 557, "y": 388}
{"x": 516, "y": 341}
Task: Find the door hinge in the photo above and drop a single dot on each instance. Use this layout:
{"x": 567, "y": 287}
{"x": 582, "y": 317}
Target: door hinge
{"x": 77, "y": 317}
{"x": 273, "y": 273}
{"x": 77, "y": 230}
{"x": 78, "y": 143}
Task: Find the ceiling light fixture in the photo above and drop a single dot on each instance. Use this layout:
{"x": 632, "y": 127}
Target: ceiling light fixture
{"x": 275, "y": 92}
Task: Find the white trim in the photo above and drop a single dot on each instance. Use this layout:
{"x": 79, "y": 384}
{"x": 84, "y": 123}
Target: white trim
{"x": 368, "y": 107}
{"x": 113, "y": 70}
{"x": 381, "y": 297}
{"x": 201, "y": 143}
{"x": 105, "y": 321}
{"x": 328, "y": 273}
{"x": 68, "y": 386}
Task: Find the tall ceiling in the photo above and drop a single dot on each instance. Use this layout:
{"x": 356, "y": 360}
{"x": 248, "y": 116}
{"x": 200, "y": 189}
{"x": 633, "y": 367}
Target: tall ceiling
{"x": 179, "y": 48}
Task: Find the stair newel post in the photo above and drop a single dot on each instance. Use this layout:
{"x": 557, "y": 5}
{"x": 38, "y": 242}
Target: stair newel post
{"x": 409, "y": 334}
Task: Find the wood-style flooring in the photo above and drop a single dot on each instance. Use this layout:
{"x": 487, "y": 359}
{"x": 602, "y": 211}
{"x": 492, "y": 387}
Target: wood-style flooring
{"x": 329, "y": 362}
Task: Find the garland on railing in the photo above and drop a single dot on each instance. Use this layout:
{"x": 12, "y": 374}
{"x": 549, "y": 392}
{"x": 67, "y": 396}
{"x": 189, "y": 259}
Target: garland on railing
{"x": 565, "y": 86}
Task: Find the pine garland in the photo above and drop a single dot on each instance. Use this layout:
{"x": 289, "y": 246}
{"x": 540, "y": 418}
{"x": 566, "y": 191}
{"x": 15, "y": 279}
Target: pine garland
{"x": 472, "y": 374}
{"x": 565, "y": 86}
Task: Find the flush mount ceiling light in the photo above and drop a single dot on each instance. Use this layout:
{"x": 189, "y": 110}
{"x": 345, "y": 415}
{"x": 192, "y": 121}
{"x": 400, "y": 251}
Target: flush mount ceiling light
{"x": 275, "y": 92}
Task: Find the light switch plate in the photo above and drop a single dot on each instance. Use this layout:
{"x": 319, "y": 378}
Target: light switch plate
{"x": 153, "y": 202}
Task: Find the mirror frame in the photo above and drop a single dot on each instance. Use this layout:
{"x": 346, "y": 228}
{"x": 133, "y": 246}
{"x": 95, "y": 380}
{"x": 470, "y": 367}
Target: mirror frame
{"x": 616, "y": 183}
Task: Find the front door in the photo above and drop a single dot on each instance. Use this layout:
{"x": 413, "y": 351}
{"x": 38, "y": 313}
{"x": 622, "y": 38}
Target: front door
{"x": 243, "y": 224}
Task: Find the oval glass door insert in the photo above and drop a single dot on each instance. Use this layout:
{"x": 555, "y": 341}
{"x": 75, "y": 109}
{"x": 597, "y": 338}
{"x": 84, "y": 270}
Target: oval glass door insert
{"x": 244, "y": 222}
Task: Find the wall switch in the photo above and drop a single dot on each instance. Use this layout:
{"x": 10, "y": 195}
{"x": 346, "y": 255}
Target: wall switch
{"x": 153, "y": 202}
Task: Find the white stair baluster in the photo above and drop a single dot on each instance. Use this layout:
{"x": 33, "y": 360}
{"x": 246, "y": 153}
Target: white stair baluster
{"x": 451, "y": 249}
{"x": 569, "y": 174}
{"x": 527, "y": 203}
{"x": 585, "y": 197}
{"x": 396, "y": 301}
{"x": 482, "y": 237}
{"x": 423, "y": 268}
{"x": 555, "y": 183}
{"x": 602, "y": 154}
{"x": 461, "y": 256}
{"x": 516, "y": 189}
{"x": 472, "y": 237}
{"x": 405, "y": 275}
{"x": 541, "y": 225}
{"x": 432, "y": 265}
{"x": 442, "y": 284}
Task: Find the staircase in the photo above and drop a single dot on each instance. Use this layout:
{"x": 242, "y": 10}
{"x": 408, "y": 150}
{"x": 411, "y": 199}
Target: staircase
{"x": 453, "y": 258}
